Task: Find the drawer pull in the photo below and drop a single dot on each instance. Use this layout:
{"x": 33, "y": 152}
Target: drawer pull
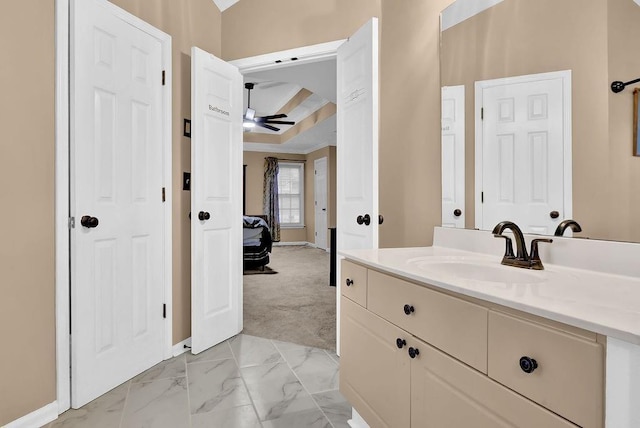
{"x": 408, "y": 309}
{"x": 413, "y": 352}
{"x": 349, "y": 282}
{"x": 528, "y": 365}
{"x": 400, "y": 343}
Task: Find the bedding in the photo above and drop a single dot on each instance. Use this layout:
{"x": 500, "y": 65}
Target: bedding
{"x": 256, "y": 242}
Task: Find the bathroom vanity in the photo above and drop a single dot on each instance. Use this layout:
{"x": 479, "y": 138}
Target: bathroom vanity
{"x": 446, "y": 336}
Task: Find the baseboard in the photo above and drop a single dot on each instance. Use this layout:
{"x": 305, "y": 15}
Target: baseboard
{"x": 37, "y": 418}
{"x": 299, "y": 243}
{"x": 182, "y": 347}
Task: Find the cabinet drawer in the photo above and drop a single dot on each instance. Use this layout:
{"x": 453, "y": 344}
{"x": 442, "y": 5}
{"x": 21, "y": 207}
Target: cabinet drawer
{"x": 374, "y": 372}
{"x": 354, "y": 282}
{"x": 568, "y": 377}
{"x": 455, "y": 326}
{"x": 447, "y": 394}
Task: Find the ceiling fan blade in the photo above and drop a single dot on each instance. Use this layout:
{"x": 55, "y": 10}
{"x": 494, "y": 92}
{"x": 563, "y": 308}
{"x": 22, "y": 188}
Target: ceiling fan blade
{"x": 264, "y": 125}
{"x": 272, "y": 116}
{"x": 280, "y": 122}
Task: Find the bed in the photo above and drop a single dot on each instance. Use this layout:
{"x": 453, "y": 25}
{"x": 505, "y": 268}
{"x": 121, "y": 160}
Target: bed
{"x": 256, "y": 241}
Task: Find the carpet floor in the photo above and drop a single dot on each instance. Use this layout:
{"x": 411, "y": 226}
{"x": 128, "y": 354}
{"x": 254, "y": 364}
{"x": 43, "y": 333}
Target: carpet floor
{"x": 296, "y": 304}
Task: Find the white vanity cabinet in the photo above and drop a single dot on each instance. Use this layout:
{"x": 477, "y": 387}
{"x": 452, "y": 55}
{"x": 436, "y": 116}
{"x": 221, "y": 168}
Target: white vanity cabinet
{"x": 413, "y": 356}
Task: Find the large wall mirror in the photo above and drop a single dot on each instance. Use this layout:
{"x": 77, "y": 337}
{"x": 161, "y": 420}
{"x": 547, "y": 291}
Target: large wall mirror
{"x": 560, "y": 57}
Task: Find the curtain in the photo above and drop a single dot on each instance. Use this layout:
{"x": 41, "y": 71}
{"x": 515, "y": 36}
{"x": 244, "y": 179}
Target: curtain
{"x": 270, "y": 201}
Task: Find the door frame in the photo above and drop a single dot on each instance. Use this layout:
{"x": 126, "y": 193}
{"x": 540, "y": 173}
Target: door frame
{"x": 315, "y": 192}
{"x": 565, "y": 75}
{"x": 63, "y": 255}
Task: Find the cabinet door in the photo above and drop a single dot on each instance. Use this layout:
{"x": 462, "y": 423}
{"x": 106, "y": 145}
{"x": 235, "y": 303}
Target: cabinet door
{"x": 374, "y": 372}
{"x": 448, "y": 394}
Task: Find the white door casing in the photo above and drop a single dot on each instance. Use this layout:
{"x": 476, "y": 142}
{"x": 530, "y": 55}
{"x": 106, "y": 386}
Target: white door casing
{"x": 357, "y": 144}
{"x": 320, "y": 203}
{"x": 216, "y": 192}
{"x": 523, "y": 151}
{"x": 117, "y": 174}
{"x": 453, "y": 152}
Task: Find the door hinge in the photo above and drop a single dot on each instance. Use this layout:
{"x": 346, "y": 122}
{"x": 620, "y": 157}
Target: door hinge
{"x": 163, "y": 77}
{"x": 72, "y": 222}
{"x": 482, "y": 197}
{"x": 164, "y": 310}
{"x": 482, "y": 113}
{"x": 164, "y": 195}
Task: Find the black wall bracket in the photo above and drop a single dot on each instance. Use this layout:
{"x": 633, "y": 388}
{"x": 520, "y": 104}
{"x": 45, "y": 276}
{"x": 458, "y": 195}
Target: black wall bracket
{"x": 619, "y": 86}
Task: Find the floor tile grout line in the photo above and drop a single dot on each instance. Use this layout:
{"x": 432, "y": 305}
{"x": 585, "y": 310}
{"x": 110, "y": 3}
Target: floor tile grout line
{"x": 126, "y": 400}
{"x": 244, "y": 382}
{"x": 305, "y": 388}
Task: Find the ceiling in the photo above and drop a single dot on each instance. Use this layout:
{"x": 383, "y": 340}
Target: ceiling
{"x": 307, "y": 94}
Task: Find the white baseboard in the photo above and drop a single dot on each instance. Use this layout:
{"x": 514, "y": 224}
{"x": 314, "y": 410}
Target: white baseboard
{"x": 37, "y": 418}
{"x": 356, "y": 420}
{"x": 182, "y": 347}
{"x": 282, "y": 244}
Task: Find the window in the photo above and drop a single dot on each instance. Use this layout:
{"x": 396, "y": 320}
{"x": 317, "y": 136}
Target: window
{"x": 291, "y": 194}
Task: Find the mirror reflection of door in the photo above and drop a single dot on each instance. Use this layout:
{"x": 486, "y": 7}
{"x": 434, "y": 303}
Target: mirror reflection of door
{"x": 523, "y": 151}
{"x": 453, "y": 141}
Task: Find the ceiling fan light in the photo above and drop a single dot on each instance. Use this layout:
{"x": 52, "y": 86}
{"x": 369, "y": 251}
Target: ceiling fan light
{"x": 250, "y": 114}
{"x": 247, "y": 124}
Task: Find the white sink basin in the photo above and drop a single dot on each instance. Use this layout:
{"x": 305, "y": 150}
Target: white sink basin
{"x": 469, "y": 268}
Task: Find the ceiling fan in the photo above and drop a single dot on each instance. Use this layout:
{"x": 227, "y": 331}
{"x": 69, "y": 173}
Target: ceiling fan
{"x": 251, "y": 120}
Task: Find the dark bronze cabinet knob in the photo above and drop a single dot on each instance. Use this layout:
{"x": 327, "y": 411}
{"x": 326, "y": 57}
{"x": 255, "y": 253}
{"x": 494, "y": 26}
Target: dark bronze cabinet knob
{"x": 409, "y": 309}
{"x": 89, "y": 222}
{"x": 457, "y": 212}
{"x": 554, "y": 214}
{"x": 400, "y": 343}
{"x": 203, "y": 215}
{"x": 413, "y": 352}
{"x": 528, "y": 365}
{"x": 349, "y": 282}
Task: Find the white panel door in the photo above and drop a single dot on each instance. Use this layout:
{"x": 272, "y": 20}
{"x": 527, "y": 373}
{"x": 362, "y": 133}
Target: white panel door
{"x": 117, "y": 281}
{"x": 357, "y": 147}
{"x": 320, "y": 203}
{"x": 453, "y": 141}
{"x": 523, "y": 155}
{"x": 216, "y": 200}
{"x": 357, "y": 129}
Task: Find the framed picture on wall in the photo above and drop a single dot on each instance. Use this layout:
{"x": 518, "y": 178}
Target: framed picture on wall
{"x": 636, "y": 124}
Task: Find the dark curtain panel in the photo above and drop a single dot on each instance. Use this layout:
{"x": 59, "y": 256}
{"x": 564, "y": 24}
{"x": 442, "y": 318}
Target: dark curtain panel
{"x": 270, "y": 201}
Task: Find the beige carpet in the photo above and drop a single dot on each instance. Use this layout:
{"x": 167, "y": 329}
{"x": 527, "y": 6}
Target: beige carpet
{"x": 296, "y": 304}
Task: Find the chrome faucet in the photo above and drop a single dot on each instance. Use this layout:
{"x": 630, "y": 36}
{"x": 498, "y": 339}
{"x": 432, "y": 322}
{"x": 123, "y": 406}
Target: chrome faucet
{"x": 521, "y": 259}
{"x": 567, "y": 224}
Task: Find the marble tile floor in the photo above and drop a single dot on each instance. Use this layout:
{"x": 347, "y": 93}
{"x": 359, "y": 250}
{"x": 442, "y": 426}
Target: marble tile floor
{"x": 244, "y": 382}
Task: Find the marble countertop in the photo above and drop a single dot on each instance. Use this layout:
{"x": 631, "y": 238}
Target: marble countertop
{"x": 604, "y": 303}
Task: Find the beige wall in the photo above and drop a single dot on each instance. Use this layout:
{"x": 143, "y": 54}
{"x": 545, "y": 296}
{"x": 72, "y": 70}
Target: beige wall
{"x": 624, "y": 64}
{"x": 409, "y": 165}
{"x": 254, "y": 27}
{"x": 27, "y": 317}
{"x": 190, "y": 23}
{"x": 255, "y": 182}
{"x": 532, "y": 36}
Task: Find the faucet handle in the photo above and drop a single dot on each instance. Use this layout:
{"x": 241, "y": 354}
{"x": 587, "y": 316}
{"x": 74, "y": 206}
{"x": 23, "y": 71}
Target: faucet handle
{"x": 534, "y": 247}
{"x": 508, "y": 249}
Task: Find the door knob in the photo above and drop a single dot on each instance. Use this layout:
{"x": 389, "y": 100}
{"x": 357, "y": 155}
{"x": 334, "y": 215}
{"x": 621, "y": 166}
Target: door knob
{"x": 380, "y": 219}
{"x": 554, "y": 214}
{"x": 359, "y": 219}
{"x": 89, "y": 222}
{"x": 203, "y": 215}
{"x": 457, "y": 212}
{"x": 367, "y": 219}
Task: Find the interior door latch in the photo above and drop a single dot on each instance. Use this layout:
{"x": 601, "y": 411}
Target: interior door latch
{"x": 72, "y": 222}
